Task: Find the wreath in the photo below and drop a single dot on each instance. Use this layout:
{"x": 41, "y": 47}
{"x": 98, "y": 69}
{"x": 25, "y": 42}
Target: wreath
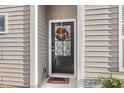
{"x": 61, "y": 34}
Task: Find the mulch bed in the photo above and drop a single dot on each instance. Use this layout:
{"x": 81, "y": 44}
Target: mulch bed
{"x": 58, "y": 80}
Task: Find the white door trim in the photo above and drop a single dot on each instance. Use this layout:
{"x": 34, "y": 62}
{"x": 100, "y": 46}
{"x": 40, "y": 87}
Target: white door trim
{"x": 50, "y": 48}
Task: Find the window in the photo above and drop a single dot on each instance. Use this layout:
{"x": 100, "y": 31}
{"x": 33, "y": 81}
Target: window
{"x": 3, "y": 23}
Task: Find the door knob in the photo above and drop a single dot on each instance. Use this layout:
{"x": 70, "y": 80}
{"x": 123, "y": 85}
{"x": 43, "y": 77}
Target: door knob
{"x": 52, "y": 50}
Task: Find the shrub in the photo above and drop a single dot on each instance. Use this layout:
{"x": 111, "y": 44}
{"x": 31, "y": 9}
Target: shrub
{"x": 110, "y": 82}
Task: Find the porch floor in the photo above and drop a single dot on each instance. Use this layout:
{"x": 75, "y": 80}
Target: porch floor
{"x": 72, "y": 84}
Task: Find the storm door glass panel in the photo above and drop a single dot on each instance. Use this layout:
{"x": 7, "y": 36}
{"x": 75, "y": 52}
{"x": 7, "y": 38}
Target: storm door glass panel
{"x": 63, "y": 42}
{"x": 2, "y": 23}
{"x": 62, "y": 47}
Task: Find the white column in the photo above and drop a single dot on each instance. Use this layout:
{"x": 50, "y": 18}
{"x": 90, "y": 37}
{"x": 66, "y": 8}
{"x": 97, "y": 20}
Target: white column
{"x": 34, "y": 46}
{"x": 80, "y": 44}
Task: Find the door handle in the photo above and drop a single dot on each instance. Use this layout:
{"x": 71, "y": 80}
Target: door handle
{"x": 53, "y": 50}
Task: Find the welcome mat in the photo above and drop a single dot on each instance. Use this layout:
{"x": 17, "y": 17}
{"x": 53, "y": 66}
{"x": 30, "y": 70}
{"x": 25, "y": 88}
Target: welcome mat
{"x": 58, "y": 80}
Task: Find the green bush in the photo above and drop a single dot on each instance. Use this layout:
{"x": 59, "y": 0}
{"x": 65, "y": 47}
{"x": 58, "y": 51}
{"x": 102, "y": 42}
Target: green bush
{"x": 110, "y": 82}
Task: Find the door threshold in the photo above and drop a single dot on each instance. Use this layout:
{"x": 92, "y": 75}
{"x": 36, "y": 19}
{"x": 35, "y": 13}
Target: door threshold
{"x": 62, "y": 75}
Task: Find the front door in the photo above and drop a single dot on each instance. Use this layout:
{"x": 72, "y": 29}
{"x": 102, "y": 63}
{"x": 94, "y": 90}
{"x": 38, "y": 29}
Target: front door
{"x": 62, "y": 47}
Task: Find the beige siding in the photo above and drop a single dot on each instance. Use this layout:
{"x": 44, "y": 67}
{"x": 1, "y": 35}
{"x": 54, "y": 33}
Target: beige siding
{"x": 61, "y": 12}
{"x": 101, "y": 44}
{"x": 15, "y": 47}
{"x": 42, "y": 44}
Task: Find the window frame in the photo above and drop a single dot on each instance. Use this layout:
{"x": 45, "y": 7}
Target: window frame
{"x": 6, "y": 23}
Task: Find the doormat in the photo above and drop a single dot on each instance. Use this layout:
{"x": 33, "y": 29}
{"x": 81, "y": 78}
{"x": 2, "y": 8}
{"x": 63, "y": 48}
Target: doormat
{"x": 58, "y": 80}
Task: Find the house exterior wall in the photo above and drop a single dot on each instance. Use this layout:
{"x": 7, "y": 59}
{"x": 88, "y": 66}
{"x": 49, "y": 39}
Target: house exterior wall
{"x": 61, "y": 12}
{"x": 101, "y": 41}
{"x": 46, "y": 13}
{"x": 42, "y": 44}
{"x": 15, "y": 47}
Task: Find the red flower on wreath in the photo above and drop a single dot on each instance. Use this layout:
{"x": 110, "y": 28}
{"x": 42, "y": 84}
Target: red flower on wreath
{"x": 61, "y": 34}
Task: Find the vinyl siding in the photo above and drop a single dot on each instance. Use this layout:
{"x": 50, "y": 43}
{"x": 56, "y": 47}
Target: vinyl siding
{"x": 101, "y": 41}
{"x": 42, "y": 45}
{"x": 61, "y": 12}
{"x": 15, "y": 47}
